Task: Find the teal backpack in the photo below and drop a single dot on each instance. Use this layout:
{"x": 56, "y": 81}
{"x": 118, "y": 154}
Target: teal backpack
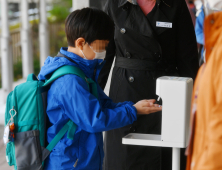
{"x": 26, "y": 121}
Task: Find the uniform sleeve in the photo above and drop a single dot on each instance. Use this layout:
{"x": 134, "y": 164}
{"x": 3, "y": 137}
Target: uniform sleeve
{"x": 86, "y": 112}
{"x": 186, "y": 49}
{"x": 110, "y": 54}
{"x": 215, "y": 123}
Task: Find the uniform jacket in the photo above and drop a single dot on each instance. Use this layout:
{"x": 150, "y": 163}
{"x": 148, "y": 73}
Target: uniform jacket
{"x": 207, "y": 127}
{"x": 169, "y": 50}
{"x": 69, "y": 98}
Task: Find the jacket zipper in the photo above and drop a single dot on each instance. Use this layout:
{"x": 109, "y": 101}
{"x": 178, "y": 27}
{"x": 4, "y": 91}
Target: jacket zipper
{"x": 76, "y": 163}
{"x": 95, "y": 70}
{"x": 100, "y": 158}
{"x": 94, "y": 73}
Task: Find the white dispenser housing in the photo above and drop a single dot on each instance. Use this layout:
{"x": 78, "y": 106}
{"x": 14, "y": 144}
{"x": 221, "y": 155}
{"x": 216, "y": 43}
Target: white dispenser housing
{"x": 176, "y": 94}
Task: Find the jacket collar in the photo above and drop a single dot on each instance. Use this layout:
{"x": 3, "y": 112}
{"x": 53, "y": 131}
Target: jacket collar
{"x": 134, "y": 2}
{"x": 122, "y": 2}
{"x": 87, "y": 66}
{"x": 91, "y": 68}
{"x": 137, "y": 21}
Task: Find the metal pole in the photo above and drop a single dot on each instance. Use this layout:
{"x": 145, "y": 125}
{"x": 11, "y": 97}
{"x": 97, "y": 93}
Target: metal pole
{"x": 27, "y": 59}
{"x": 77, "y": 4}
{"x": 176, "y": 159}
{"x": 6, "y": 57}
{"x": 43, "y": 33}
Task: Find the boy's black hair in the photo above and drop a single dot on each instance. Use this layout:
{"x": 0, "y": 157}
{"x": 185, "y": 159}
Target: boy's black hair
{"x": 89, "y": 23}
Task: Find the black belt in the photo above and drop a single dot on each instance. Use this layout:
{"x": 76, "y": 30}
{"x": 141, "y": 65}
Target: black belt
{"x": 136, "y": 64}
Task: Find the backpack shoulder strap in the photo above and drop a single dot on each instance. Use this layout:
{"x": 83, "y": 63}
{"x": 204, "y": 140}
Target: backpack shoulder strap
{"x": 67, "y": 69}
{"x": 70, "y": 128}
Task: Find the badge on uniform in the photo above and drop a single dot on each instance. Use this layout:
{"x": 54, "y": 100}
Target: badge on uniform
{"x": 164, "y": 24}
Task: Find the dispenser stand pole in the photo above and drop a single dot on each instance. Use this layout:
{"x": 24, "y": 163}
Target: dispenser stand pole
{"x": 176, "y": 159}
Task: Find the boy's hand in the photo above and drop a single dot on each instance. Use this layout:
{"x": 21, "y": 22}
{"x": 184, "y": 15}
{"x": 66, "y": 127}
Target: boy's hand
{"x": 145, "y": 107}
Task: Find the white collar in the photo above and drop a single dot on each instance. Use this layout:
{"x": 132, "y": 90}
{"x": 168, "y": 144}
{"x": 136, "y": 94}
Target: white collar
{"x": 134, "y": 2}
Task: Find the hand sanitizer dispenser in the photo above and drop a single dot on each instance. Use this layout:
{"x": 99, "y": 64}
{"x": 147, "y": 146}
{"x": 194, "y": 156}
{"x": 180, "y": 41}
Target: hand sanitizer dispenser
{"x": 176, "y": 94}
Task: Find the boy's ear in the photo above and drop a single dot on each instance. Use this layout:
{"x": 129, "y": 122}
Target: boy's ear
{"x": 80, "y": 42}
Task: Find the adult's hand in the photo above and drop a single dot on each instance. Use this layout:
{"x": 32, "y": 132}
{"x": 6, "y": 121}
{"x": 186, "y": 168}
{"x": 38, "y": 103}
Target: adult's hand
{"x": 145, "y": 107}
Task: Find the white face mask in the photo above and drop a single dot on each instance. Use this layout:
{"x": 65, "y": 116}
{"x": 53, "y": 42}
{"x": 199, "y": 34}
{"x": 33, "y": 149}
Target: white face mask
{"x": 99, "y": 55}
{"x": 83, "y": 55}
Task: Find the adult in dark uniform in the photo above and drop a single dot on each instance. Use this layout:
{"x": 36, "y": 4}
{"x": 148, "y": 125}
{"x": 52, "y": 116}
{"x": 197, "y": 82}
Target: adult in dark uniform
{"x": 161, "y": 43}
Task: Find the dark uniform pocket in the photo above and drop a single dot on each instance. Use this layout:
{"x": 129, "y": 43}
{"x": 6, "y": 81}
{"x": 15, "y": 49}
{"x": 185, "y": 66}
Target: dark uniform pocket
{"x": 28, "y": 150}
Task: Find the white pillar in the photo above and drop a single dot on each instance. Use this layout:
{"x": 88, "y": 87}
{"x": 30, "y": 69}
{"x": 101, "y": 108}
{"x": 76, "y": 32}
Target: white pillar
{"x": 78, "y": 4}
{"x": 43, "y": 33}
{"x": 176, "y": 159}
{"x": 6, "y": 55}
{"x": 27, "y": 58}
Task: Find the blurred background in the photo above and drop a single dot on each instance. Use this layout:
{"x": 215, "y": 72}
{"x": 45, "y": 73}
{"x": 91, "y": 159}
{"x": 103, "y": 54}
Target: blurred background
{"x": 57, "y": 11}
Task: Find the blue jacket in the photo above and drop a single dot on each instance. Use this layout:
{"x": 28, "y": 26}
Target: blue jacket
{"x": 69, "y": 98}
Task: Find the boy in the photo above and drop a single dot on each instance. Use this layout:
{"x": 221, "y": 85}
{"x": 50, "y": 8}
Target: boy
{"x": 88, "y": 33}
